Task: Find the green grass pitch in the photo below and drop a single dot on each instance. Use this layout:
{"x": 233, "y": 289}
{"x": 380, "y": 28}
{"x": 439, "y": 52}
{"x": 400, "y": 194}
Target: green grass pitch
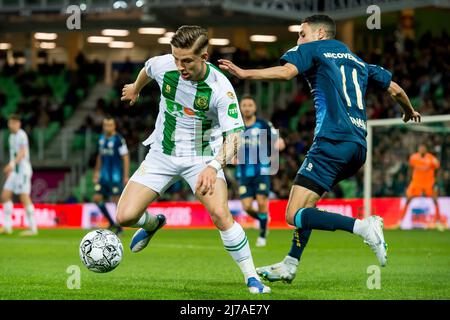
{"x": 192, "y": 264}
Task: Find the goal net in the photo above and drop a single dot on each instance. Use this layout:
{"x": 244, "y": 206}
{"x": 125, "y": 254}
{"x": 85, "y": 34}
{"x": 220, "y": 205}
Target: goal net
{"x": 388, "y": 172}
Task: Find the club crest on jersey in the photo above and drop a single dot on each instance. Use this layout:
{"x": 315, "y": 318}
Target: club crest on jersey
{"x": 201, "y": 103}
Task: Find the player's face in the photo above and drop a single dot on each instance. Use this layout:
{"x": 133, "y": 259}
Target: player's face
{"x": 307, "y": 34}
{"x": 248, "y": 108}
{"x": 422, "y": 149}
{"x": 191, "y": 66}
{"x": 109, "y": 127}
{"x": 14, "y": 125}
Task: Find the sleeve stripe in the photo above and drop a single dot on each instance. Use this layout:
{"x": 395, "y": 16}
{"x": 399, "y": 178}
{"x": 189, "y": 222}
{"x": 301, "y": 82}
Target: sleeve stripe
{"x": 226, "y": 133}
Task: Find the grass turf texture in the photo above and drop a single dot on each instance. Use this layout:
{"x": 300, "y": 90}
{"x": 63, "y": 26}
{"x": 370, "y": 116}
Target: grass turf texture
{"x": 192, "y": 264}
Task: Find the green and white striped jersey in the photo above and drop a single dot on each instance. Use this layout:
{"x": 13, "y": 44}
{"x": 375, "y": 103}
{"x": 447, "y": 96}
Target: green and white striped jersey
{"x": 16, "y": 142}
{"x": 193, "y": 115}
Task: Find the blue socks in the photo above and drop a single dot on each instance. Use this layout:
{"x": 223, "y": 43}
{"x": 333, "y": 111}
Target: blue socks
{"x": 307, "y": 219}
{"x": 299, "y": 241}
{"x": 262, "y": 218}
{"x": 313, "y": 218}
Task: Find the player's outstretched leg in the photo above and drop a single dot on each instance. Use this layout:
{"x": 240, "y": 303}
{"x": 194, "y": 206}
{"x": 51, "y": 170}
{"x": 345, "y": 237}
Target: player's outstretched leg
{"x": 370, "y": 229}
{"x": 132, "y": 212}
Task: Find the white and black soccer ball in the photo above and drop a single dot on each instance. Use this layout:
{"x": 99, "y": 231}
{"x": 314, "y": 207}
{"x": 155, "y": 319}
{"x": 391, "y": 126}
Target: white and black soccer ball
{"x": 101, "y": 250}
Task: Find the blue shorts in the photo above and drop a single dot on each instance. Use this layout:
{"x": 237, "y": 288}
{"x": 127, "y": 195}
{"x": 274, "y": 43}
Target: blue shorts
{"x": 251, "y": 186}
{"x": 328, "y": 162}
{"x": 109, "y": 189}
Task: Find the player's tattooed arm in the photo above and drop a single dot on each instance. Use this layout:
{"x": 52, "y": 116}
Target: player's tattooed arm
{"x": 399, "y": 95}
{"x": 285, "y": 72}
{"x": 229, "y": 149}
{"x": 207, "y": 178}
{"x": 131, "y": 91}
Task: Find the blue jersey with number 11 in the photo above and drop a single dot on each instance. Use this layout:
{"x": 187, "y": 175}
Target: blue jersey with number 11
{"x": 338, "y": 80}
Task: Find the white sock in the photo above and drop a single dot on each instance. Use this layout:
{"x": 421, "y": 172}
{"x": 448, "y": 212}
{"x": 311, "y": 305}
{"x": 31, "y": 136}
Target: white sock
{"x": 148, "y": 222}
{"x": 360, "y": 227}
{"x": 8, "y": 208}
{"x": 31, "y": 219}
{"x": 236, "y": 243}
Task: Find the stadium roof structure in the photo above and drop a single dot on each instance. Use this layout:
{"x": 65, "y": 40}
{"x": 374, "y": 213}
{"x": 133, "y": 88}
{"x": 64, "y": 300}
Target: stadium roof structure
{"x": 135, "y": 13}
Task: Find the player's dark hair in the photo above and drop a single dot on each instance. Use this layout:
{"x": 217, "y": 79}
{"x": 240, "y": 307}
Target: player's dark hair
{"x": 247, "y": 96}
{"x": 326, "y": 21}
{"x": 187, "y": 37}
{"x": 14, "y": 116}
{"x": 109, "y": 117}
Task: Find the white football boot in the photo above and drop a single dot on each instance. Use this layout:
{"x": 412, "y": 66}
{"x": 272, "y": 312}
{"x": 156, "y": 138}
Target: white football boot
{"x": 374, "y": 238}
{"x": 284, "y": 271}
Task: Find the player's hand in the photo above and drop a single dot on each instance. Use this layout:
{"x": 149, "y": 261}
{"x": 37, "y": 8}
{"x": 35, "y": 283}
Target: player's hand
{"x": 129, "y": 93}
{"x": 206, "y": 181}
{"x": 229, "y": 66}
{"x": 280, "y": 145}
{"x": 8, "y": 169}
{"x": 415, "y": 116}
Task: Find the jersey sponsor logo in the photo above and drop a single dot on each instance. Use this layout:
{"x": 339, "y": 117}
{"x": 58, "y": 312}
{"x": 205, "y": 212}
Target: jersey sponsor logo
{"x": 360, "y": 123}
{"x": 167, "y": 88}
{"x": 341, "y": 55}
{"x": 201, "y": 103}
{"x": 242, "y": 189}
{"x": 309, "y": 167}
{"x": 233, "y": 111}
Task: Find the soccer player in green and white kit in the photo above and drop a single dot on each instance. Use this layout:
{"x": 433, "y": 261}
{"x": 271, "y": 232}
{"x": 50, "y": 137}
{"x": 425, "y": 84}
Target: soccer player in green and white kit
{"x": 18, "y": 178}
{"x": 196, "y": 135}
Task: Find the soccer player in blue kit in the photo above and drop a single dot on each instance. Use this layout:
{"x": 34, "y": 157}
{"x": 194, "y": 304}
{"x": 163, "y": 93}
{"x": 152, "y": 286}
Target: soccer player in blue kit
{"x": 338, "y": 80}
{"x": 112, "y": 168}
{"x": 254, "y": 164}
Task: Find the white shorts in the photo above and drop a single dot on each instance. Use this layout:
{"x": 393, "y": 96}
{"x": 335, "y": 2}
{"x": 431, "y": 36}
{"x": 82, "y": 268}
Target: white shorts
{"x": 159, "y": 171}
{"x": 18, "y": 183}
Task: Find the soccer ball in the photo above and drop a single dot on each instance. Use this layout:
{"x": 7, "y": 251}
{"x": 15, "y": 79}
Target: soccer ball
{"x": 101, "y": 251}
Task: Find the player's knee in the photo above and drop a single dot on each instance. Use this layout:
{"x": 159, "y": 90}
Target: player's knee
{"x": 221, "y": 218}
{"x": 125, "y": 216}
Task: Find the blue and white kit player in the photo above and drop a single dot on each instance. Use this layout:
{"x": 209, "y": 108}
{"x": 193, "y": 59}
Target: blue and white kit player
{"x": 338, "y": 80}
{"x": 111, "y": 171}
{"x": 254, "y": 164}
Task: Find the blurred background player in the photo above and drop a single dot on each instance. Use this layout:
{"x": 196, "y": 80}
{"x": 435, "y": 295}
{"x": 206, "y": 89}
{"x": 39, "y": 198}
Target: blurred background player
{"x": 339, "y": 147}
{"x": 18, "y": 177}
{"x": 252, "y": 171}
{"x": 111, "y": 169}
{"x": 423, "y": 165}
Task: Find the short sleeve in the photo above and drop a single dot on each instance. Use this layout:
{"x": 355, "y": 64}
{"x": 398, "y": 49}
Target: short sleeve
{"x": 123, "y": 149}
{"x": 150, "y": 67}
{"x": 228, "y": 112}
{"x": 380, "y": 76}
{"x": 23, "y": 141}
{"x": 300, "y": 56}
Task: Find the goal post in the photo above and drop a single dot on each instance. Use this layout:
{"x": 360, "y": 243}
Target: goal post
{"x": 368, "y": 169}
